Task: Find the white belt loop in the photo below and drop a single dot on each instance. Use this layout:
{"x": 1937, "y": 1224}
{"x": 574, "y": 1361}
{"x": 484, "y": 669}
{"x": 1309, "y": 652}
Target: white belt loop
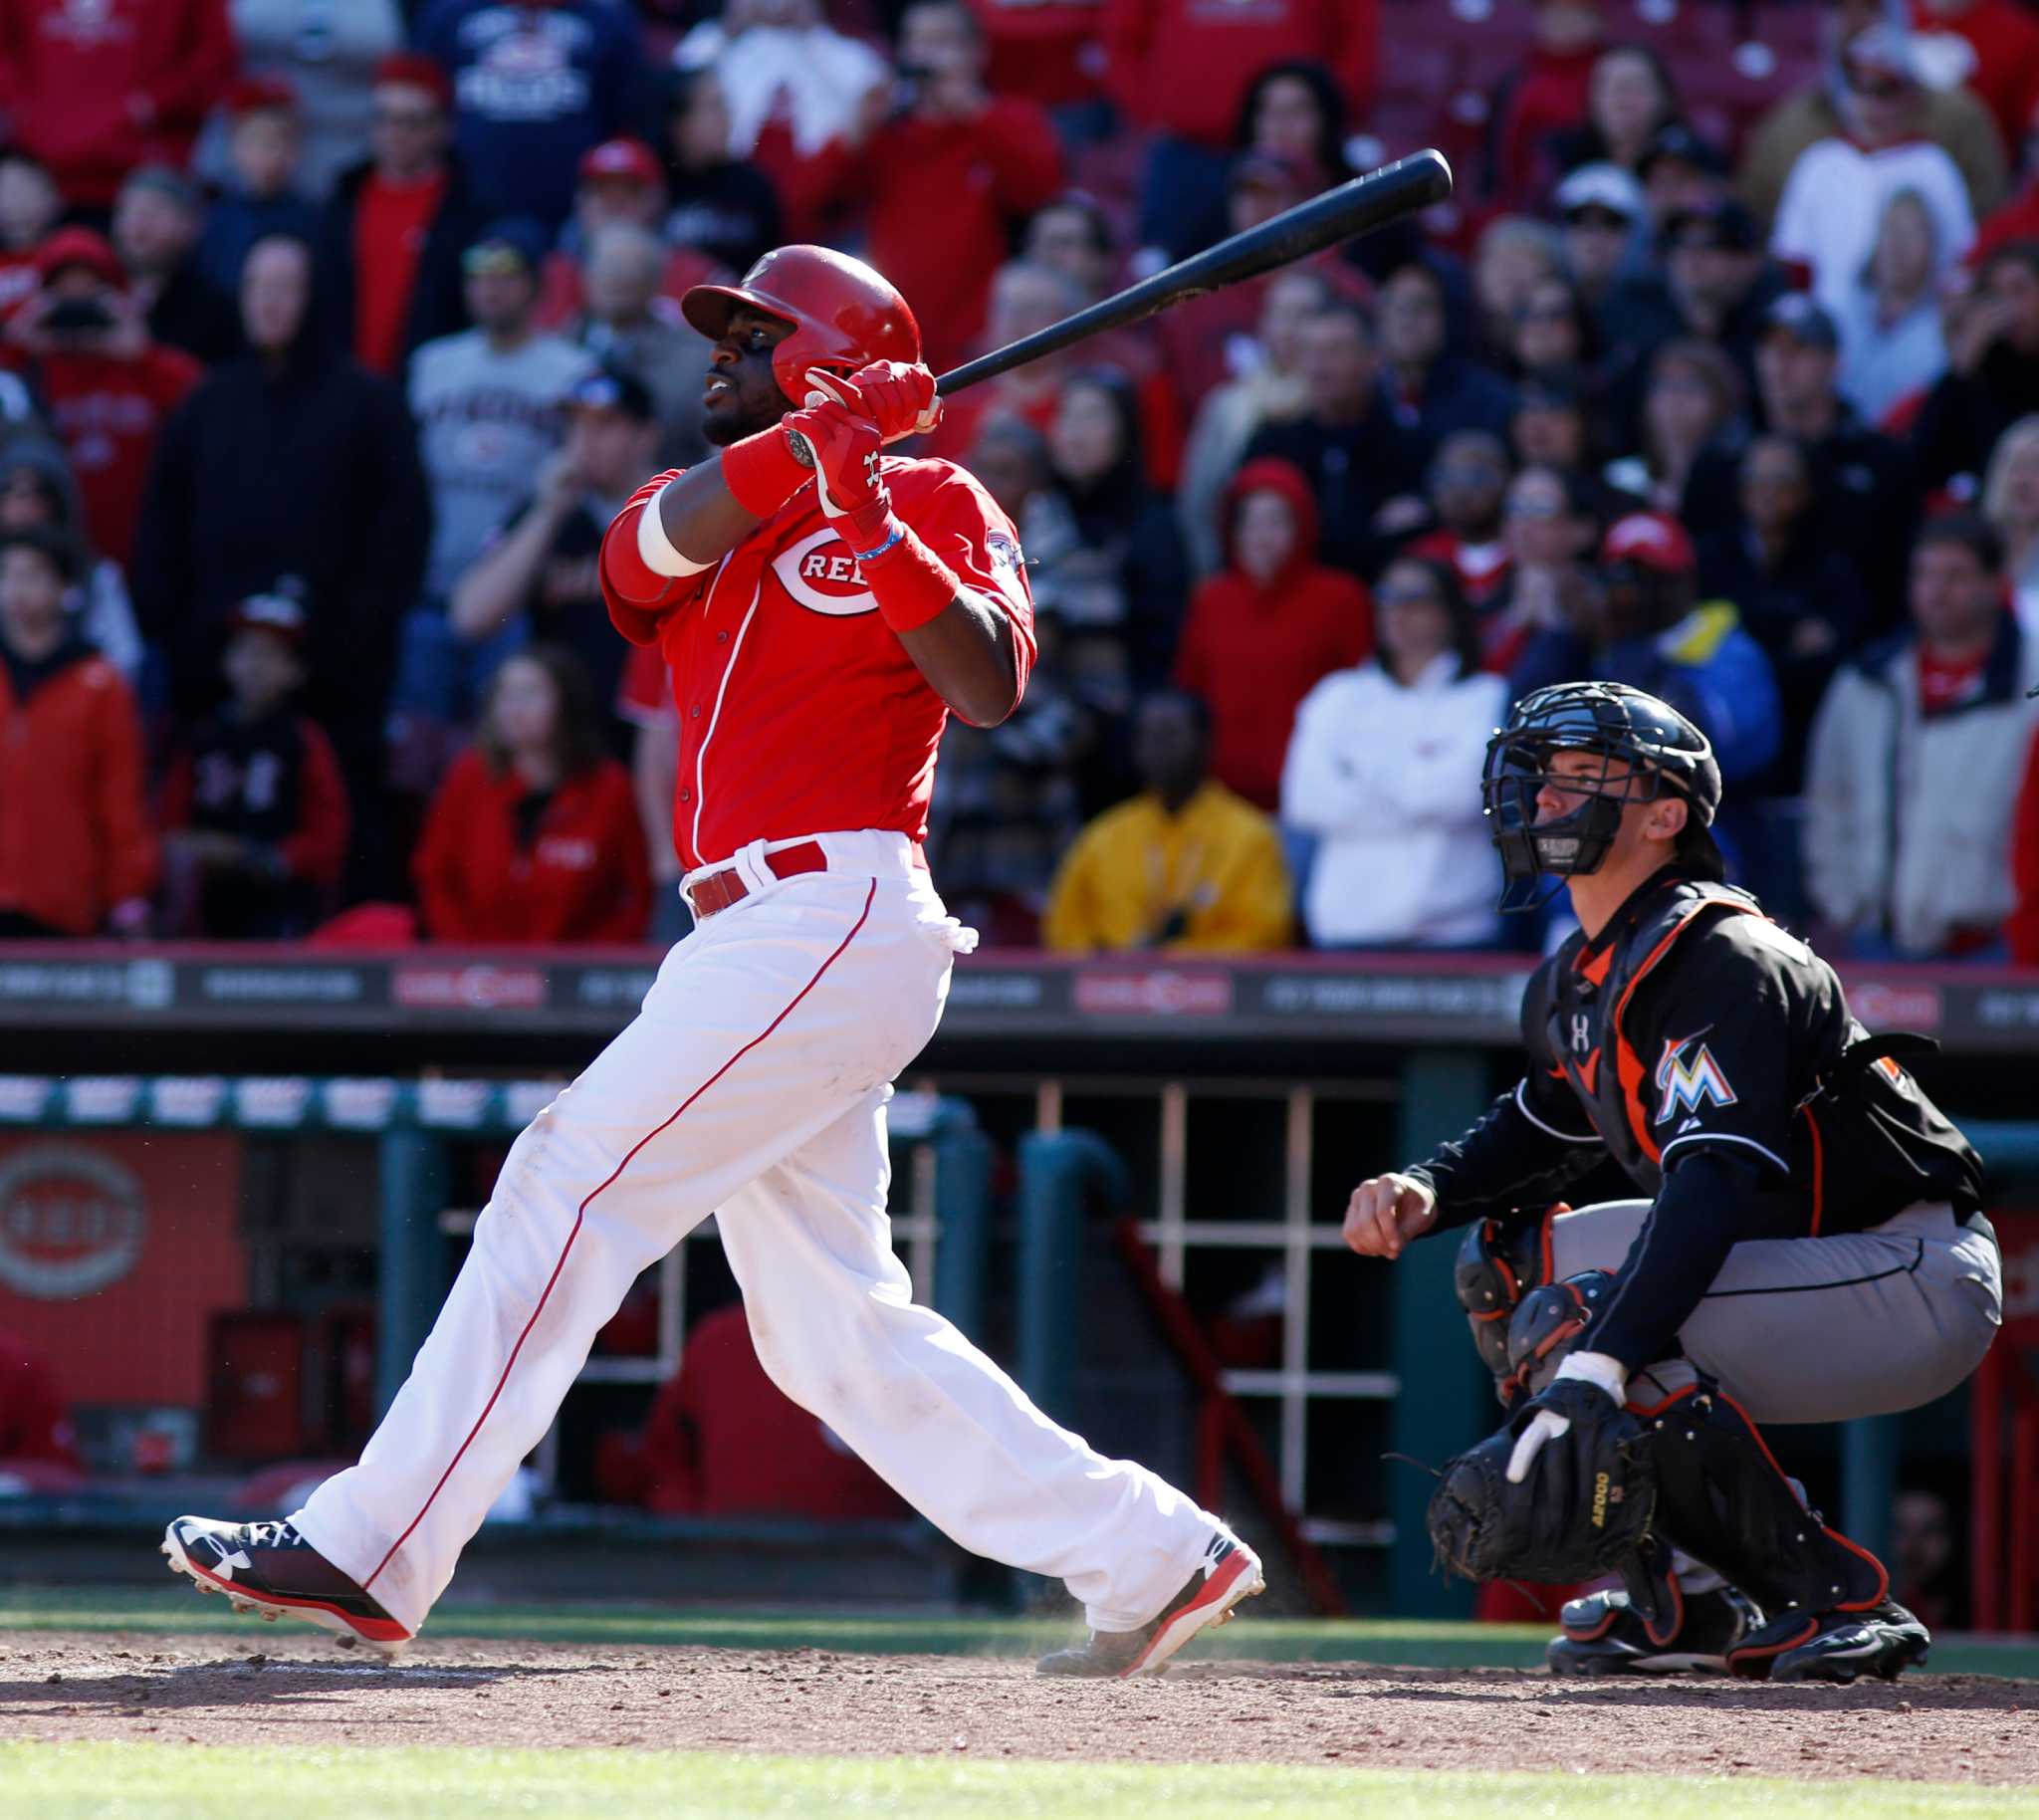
{"x": 749, "y": 864}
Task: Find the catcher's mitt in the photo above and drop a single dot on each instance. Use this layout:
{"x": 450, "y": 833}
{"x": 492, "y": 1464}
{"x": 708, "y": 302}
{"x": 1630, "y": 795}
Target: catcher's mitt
{"x": 1586, "y": 1503}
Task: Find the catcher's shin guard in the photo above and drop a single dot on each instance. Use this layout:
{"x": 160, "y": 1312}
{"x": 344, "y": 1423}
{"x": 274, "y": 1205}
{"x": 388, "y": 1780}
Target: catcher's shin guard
{"x": 1722, "y": 1498}
{"x": 1498, "y": 1265}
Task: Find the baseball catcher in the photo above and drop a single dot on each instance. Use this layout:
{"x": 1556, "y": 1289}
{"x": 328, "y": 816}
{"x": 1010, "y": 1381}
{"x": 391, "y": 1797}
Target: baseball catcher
{"x": 1810, "y": 1246}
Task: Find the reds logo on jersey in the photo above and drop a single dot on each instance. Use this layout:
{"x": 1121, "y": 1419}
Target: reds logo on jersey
{"x": 1688, "y": 1083}
{"x": 820, "y": 573}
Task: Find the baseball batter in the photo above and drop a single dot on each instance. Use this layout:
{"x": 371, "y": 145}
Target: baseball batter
{"x": 1811, "y": 1249}
{"x": 822, "y": 608}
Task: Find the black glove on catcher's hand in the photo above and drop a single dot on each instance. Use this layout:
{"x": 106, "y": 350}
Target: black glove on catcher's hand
{"x": 1586, "y": 1503}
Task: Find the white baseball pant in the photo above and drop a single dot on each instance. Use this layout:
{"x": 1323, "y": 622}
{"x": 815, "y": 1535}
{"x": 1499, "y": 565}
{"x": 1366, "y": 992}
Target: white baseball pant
{"x": 751, "y": 1084}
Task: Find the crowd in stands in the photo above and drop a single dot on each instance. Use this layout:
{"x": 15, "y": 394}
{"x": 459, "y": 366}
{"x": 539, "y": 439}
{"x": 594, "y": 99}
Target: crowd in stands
{"x": 331, "y": 338}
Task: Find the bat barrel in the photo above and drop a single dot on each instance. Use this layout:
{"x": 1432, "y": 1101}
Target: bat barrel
{"x": 1353, "y": 208}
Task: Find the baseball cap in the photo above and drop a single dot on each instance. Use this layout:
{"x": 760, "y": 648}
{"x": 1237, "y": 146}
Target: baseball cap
{"x": 610, "y": 388}
{"x": 1674, "y": 139}
{"x": 516, "y": 235}
{"x": 167, "y": 181}
{"x": 1603, "y": 186}
{"x": 414, "y": 70}
{"x": 1802, "y": 317}
{"x": 256, "y": 94}
{"x": 1651, "y": 539}
{"x": 1724, "y": 225}
{"x": 76, "y": 245}
{"x": 627, "y": 159}
{"x": 274, "y": 612}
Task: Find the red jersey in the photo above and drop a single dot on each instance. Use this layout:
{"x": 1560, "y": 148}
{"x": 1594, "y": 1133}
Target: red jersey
{"x": 801, "y": 712}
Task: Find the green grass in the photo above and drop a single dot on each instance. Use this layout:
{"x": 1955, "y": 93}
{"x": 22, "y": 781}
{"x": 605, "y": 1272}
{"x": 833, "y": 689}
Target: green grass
{"x": 1413, "y": 1643}
{"x": 197, "y": 1782}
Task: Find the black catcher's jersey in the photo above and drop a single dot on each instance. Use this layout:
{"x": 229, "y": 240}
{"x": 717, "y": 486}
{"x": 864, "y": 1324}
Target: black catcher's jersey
{"x": 1694, "y": 1022}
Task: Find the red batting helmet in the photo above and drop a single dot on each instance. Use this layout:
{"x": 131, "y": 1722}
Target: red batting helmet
{"x": 845, "y": 315}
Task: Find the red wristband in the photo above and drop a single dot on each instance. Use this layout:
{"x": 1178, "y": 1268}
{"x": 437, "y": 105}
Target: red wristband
{"x": 760, "y": 472}
{"x": 909, "y": 581}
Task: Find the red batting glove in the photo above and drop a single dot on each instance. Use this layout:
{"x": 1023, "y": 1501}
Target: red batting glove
{"x": 846, "y": 449}
{"x": 900, "y": 399}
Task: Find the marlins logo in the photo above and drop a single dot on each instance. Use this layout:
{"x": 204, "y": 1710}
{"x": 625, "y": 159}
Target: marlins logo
{"x": 1688, "y": 1083}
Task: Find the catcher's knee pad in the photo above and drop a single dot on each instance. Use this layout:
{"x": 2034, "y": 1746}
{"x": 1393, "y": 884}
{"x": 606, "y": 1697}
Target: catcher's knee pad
{"x": 1722, "y": 1497}
{"x": 1498, "y": 1265}
{"x": 1549, "y": 1322}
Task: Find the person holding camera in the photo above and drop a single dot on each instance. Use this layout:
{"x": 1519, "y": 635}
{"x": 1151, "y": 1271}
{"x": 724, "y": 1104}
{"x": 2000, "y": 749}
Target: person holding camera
{"x": 82, "y": 343}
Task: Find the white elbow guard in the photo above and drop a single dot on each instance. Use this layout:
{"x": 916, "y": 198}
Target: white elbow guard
{"x": 656, "y": 547}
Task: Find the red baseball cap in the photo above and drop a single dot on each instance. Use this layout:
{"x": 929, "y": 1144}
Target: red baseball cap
{"x": 630, "y": 159}
{"x": 1654, "y": 539}
{"x": 77, "y": 246}
{"x": 258, "y": 94}
{"x": 414, "y": 70}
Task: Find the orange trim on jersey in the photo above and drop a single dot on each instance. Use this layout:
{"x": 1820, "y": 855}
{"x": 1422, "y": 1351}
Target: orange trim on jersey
{"x": 1594, "y": 970}
{"x": 1627, "y": 1061}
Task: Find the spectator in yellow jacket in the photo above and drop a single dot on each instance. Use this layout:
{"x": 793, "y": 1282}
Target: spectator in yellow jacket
{"x": 1185, "y": 865}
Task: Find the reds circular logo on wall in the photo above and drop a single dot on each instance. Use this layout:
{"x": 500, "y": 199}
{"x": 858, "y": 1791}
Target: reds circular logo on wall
{"x": 72, "y": 1221}
{"x": 820, "y": 573}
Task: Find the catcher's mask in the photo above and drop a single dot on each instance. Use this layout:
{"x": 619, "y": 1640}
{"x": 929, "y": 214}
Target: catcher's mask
{"x": 1645, "y": 749}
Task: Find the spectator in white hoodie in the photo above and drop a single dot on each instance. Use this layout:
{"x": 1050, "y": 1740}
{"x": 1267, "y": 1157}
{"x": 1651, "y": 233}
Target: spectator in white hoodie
{"x": 1384, "y": 772}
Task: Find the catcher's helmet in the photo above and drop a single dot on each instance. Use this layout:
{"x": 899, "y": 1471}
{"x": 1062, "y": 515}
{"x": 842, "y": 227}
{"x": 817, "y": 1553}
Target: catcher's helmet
{"x": 1657, "y": 749}
{"x": 845, "y": 315}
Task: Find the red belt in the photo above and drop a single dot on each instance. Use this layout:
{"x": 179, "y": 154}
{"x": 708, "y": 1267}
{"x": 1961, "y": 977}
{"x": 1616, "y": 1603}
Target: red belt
{"x": 719, "y": 890}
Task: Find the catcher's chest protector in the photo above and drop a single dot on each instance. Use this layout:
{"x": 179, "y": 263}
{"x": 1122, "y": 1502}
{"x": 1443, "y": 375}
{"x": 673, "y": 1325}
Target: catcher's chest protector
{"x": 1585, "y": 1001}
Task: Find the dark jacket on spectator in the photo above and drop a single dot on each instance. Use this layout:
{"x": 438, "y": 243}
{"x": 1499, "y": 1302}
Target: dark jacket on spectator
{"x": 1458, "y": 394}
{"x": 234, "y": 223}
{"x": 1813, "y": 581}
{"x": 1964, "y": 414}
{"x": 195, "y": 315}
{"x": 437, "y": 304}
{"x": 311, "y": 473}
{"x": 730, "y": 211}
{"x": 522, "y": 118}
{"x": 1354, "y": 469}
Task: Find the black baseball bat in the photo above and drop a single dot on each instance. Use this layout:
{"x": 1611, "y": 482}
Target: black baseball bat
{"x": 1359, "y": 207}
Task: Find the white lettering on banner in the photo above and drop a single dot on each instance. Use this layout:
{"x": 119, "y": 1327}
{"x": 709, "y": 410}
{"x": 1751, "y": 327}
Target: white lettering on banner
{"x": 72, "y": 1221}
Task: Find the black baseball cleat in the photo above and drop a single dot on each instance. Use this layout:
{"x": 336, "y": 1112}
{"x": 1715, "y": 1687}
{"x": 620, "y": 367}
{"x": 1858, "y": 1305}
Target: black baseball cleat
{"x": 1885, "y": 1640}
{"x": 271, "y": 1569}
{"x": 1604, "y": 1635}
{"x": 1229, "y": 1572}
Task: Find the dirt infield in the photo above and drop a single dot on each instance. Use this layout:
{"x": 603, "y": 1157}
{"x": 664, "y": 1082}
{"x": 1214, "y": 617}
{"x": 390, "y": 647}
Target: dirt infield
{"x": 275, "y": 1688}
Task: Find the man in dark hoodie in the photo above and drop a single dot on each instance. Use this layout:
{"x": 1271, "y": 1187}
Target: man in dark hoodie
{"x": 1265, "y": 628}
{"x": 390, "y": 243}
{"x": 290, "y": 462}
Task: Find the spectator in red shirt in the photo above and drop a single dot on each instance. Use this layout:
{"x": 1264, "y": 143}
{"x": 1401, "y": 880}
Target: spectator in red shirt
{"x": 1469, "y": 482}
{"x": 76, "y": 853}
{"x": 958, "y": 156}
{"x": 94, "y": 90}
{"x": 1180, "y": 68}
{"x": 30, "y": 207}
{"x": 723, "y": 1440}
{"x": 83, "y": 345}
{"x": 534, "y": 836}
{"x": 1989, "y": 47}
{"x": 1048, "y": 51}
{"x": 254, "y": 807}
{"x": 391, "y": 237}
{"x": 1266, "y": 627}
{"x": 1544, "y": 95}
